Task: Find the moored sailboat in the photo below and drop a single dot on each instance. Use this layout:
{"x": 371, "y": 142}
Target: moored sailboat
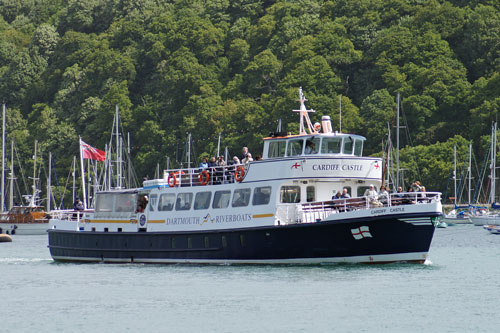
{"x": 275, "y": 210}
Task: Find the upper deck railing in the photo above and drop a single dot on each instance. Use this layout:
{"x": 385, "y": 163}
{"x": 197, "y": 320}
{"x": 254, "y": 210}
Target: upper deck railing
{"x": 200, "y": 176}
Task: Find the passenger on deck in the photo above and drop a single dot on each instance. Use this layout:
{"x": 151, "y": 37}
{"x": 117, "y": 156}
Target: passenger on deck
{"x": 383, "y": 195}
{"x": 410, "y": 196}
{"x": 310, "y": 148}
{"x": 345, "y": 194}
{"x": 247, "y": 159}
{"x": 204, "y": 163}
{"x": 245, "y": 152}
{"x": 372, "y": 196}
{"x": 212, "y": 163}
{"x": 258, "y": 157}
{"x": 337, "y": 195}
{"x": 78, "y": 207}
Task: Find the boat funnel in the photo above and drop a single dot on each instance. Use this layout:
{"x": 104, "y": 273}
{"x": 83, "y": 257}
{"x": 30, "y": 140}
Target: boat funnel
{"x": 327, "y": 124}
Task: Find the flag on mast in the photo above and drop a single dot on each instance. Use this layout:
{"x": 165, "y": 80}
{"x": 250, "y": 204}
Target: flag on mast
{"x": 92, "y": 153}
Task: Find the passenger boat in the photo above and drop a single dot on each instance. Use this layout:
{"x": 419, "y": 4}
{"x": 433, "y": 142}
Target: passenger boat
{"x": 277, "y": 210}
{"x": 24, "y": 220}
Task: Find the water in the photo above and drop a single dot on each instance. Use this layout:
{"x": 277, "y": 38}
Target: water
{"x": 457, "y": 292}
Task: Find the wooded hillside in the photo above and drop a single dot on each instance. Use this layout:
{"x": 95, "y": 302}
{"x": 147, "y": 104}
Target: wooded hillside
{"x": 234, "y": 67}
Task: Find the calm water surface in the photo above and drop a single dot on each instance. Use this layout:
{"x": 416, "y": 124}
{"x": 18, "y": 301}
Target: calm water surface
{"x": 458, "y": 291}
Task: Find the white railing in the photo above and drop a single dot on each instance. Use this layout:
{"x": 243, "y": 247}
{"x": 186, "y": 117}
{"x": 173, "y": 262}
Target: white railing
{"x": 317, "y": 211}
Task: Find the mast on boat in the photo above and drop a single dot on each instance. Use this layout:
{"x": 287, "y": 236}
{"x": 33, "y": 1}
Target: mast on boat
{"x": 304, "y": 114}
{"x": 3, "y": 159}
{"x": 12, "y": 177}
{"x": 493, "y": 161}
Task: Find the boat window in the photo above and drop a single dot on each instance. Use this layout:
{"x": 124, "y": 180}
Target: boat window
{"x": 153, "y": 198}
{"x": 277, "y": 148}
{"x": 183, "y": 201}
{"x": 202, "y": 200}
{"x": 261, "y": 195}
{"x": 362, "y": 189}
{"x": 312, "y": 145}
{"x": 125, "y": 202}
{"x": 348, "y": 145}
{"x": 358, "y": 147}
{"x": 331, "y": 145}
{"x": 221, "y": 199}
{"x": 241, "y": 197}
{"x": 294, "y": 147}
{"x": 104, "y": 202}
{"x": 290, "y": 194}
{"x": 166, "y": 202}
{"x": 311, "y": 193}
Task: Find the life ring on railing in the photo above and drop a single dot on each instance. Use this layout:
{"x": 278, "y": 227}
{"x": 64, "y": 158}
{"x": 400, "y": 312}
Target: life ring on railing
{"x": 239, "y": 174}
{"x": 204, "y": 177}
{"x": 171, "y": 176}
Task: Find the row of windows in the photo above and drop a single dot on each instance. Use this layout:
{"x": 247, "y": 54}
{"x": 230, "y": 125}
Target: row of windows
{"x": 334, "y": 145}
{"x": 203, "y": 200}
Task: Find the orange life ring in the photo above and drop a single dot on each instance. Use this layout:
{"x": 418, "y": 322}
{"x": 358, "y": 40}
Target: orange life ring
{"x": 239, "y": 174}
{"x": 172, "y": 176}
{"x": 204, "y": 177}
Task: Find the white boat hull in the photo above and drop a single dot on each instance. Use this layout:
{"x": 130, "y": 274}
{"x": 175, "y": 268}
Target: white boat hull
{"x": 24, "y": 228}
{"x": 485, "y": 220}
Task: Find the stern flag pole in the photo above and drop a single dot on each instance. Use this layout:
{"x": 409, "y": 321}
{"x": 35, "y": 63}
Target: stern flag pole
{"x": 83, "y": 176}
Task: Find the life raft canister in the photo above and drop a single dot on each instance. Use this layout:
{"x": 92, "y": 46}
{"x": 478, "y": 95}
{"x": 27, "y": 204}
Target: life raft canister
{"x": 239, "y": 174}
{"x": 204, "y": 177}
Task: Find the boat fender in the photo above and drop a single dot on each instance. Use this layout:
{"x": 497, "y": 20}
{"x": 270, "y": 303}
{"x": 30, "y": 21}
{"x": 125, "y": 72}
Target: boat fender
{"x": 4, "y": 238}
{"x": 172, "y": 179}
{"x": 204, "y": 177}
{"x": 240, "y": 173}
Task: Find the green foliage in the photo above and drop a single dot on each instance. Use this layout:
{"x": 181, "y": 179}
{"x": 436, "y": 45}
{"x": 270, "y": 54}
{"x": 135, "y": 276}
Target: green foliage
{"x": 234, "y": 67}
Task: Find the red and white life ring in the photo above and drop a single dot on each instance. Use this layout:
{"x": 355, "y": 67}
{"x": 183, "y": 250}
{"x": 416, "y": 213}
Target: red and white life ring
{"x": 172, "y": 179}
{"x": 204, "y": 177}
{"x": 239, "y": 174}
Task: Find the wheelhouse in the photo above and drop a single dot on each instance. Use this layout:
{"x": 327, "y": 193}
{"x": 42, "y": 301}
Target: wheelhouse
{"x": 328, "y": 144}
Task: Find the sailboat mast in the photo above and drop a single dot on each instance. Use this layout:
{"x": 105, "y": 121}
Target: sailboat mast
{"x": 49, "y": 181}
{"x": 34, "y": 175}
{"x": 455, "y": 173}
{"x": 397, "y": 143}
{"x": 118, "y": 150}
{"x": 469, "y": 168}
{"x": 74, "y": 177}
{"x": 11, "y": 196}
{"x": 493, "y": 161}
{"x": 3, "y": 159}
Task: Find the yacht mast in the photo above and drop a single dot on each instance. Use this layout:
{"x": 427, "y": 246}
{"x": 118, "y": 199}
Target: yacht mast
{"x": 34, "y": 176}
{"x": 469, "y": 168}
{"x": 3, "y": 160}
{"x": 12, "y": 178}
{"x": 455, "y": 173}
{"x": 397, "y": 144}
{"x": 493, "y": 161}
{"x": 49, "y": 181}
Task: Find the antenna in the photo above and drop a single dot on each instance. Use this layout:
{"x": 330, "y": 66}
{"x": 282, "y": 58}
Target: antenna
{"x": 340, "y": 113}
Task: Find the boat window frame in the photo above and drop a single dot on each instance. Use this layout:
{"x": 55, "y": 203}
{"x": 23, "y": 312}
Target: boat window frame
{"x": 289, "y": 147}
{"x": 358, "y": 143}
{"x": 160, "y": 201}
{"x": 187, "y": 203}
{"x": 219, "y": 199}
{"x": 290, "y": 190}
{"x": 281, "y": 148}
{"x": 246, "y": 197}
{"x": 206, "y": 202}
{"x": 324, "y": 149}
{"x": 345, "y": 142}
{"x": 259, "y": 197}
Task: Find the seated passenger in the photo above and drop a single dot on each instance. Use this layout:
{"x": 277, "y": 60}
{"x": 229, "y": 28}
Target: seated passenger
{"x": 372, "y": 196}
{"x": 204, "y": 163}
{"x": 247, "y": 159}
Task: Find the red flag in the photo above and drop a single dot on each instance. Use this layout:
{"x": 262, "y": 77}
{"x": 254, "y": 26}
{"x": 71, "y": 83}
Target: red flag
{"x": 91, "y": 152}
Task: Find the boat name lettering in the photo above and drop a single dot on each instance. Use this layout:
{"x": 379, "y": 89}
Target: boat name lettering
{"x": 336, "y": 167}
{"x": 233, "y": 218}
{"x": 182, "y": 220}
{"x": 398, "y": 209}
{"x": 378, "y": 211}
